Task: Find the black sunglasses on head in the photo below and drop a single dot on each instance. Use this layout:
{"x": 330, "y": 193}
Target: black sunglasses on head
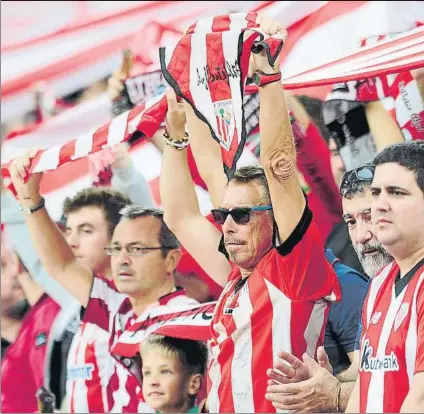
{"x": 365, "y": 173}
{"x": 241, "y": 215}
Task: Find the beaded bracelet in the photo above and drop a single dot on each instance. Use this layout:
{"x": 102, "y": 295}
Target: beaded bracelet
{"x": 177, "y": 144}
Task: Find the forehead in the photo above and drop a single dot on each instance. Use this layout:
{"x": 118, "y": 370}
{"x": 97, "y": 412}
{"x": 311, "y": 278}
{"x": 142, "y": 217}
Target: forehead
{"x": 142, "y": 229}
{"x": 358, "y": 203}
{"x": 242, "y": 194}
{"x": 90, "y": 214}
{"x": 156, "y": 355}
{"x": 393, "y": 174}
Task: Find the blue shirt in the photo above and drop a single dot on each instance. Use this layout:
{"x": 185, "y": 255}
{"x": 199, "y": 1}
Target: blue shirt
{"x": 344, "y": 316}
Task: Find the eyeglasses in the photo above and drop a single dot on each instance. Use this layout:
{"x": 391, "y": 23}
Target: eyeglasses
{"x": 241, "y": 215}
{"x": 133, "y": 250}
{"x": 360, "y": 174}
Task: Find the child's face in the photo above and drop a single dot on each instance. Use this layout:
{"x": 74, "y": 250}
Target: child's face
{"x": 166, "y": 385}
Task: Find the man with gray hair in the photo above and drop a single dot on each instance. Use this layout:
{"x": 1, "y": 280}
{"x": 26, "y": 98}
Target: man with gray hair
{"x": 144, "y": 254}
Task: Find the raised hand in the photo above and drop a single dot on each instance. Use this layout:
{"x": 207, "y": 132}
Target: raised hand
{"x": 26, "y": 187}
{"x": 175, "y": 117}
{"x": 259, "y": 61}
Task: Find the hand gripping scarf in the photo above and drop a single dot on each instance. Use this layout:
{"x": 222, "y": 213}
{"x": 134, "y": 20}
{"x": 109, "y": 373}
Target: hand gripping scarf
{"x": 208, "y": 68}
{"x": 222, "y": 49}
{"x": 185, "y": 322}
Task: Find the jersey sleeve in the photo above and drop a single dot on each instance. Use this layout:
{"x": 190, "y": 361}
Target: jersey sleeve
{"x": 299, "y": 268}
{"x": 345, "y": 315}
{"x": 104, "y": 302}
{"x": 419, "y": 361}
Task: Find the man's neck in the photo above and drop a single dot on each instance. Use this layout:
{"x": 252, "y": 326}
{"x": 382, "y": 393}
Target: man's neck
{"x": 408, "y": 262}
{"x": 145, "y": 299}
{"x": 9, "y": 328}
{"x": 245, "y": 272}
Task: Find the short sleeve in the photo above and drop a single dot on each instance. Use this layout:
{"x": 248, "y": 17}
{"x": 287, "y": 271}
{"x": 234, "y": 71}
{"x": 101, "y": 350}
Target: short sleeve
{"x": 299, "y": 268}
{"x": 104, "y": 302}
{"x": 345, "y": 315}
{"x": 419, "y": 362}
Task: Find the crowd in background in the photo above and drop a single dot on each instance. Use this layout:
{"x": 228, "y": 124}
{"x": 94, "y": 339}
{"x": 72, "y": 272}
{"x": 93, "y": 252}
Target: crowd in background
{"x": 313, "y": 259}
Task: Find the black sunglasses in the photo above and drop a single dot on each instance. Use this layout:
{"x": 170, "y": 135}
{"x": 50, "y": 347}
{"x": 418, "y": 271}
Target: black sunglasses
{"x": 365, "y": 173}
{"x": 241, "y": 215}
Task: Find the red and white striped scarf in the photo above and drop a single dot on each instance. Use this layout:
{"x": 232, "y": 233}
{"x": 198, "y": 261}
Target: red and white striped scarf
{"x": 208, "y": 68}
{"x": 185, "y": 322}
{"x": 225, "y": 33}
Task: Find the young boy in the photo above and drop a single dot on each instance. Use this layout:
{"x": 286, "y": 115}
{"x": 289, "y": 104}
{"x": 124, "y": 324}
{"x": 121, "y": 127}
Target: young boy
{"x": 173, "y": 371}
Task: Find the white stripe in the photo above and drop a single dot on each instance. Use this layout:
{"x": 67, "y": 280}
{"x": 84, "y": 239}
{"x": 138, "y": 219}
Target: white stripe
{"x": 204, "y": 26}
{"x": 83, "y": 145}
{"x": 314, "y": 327}
{"x": 238, "y": 21}
{"x": 379, "y": 88}
{"x": 412, "y": 335}
{"x": 49, "y": 160}
{"x": 241, "y": 365}
{"x": 408, "y": 102}
{"x": 121, "y": 398}
{"x": 373, "y": 290}
{"x": 375, "y": 400}
{"x": 198, "y": 60}
{"x": 281, "y": 320}
{"x": 214, "y": 372}
{"x": 110, "y": 297}
{"x": 116, "y": 130}
{"x": 230, "y": 49}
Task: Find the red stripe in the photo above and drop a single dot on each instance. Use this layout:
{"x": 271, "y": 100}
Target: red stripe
{"x": 94, "y": 386}
{"x": 66, "y": 152}
{"x": 262, "y": 349}
{"x": 221, "y": 23}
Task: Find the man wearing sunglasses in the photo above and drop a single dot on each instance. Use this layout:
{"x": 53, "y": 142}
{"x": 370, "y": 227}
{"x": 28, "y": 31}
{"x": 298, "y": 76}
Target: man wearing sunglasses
{"x": 278, "y": 283}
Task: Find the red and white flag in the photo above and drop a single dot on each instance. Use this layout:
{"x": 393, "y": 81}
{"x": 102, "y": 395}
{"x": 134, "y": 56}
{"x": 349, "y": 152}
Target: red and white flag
{"x": 186, "y": 322}
{"x": 208, "y": 68}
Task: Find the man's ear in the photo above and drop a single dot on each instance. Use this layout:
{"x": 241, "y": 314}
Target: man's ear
{"x": 172, "y": 259}
{"x": 196, "y": 381}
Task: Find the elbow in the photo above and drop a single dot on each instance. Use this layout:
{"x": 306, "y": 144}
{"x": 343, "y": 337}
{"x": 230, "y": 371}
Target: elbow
{"x": 172, "y": 220}
{"x": 279, "y": 164}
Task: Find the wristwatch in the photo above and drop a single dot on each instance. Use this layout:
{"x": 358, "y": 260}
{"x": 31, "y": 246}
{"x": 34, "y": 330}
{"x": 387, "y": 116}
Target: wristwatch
{"x": 260, "y": 78}
{"x": 32, "y": 210}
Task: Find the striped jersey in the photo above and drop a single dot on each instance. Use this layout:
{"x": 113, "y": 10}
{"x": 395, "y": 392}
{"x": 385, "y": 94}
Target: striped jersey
{"x": 97, "y": 380}
{"x": 282, "y": 305}
{"x": 392, "y": 341}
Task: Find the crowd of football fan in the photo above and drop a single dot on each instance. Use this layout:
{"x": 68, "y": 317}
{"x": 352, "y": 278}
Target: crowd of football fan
{"x": 318, "y": 278}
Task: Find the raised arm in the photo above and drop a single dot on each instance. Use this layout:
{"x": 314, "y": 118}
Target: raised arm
{"x": 20, "y": 238}
{"x": 181, "y": 208}
{"x": 128, "y": 179}
{"x": 278, "y": 152}
{"x": 55, "y": 254}
{"x": 207, "y": 154}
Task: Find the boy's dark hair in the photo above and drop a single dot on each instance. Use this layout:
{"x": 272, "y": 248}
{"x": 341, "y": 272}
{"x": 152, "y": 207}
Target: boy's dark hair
{"x": 192, "y": 354}
{"x": 408, "y": 154}
{"x": 109, "y": 200}
{"x": 167, "y": 239}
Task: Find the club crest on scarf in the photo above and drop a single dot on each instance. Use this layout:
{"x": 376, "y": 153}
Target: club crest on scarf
{"x": 226, "y": 122}
{"x": 208, "y": 68}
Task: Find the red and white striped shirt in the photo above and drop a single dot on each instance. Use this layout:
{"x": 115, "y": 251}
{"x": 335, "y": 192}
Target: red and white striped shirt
{"x": 283, "y": 305}
{"x": 392, "y": 342}
{"x": 97, "y": 380}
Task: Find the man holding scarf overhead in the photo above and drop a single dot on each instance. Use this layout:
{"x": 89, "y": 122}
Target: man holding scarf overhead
{"x": 278, "y": 283}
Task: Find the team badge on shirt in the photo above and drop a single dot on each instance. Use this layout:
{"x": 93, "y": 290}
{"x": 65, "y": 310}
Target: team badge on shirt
{"x": 401, "y": 315}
